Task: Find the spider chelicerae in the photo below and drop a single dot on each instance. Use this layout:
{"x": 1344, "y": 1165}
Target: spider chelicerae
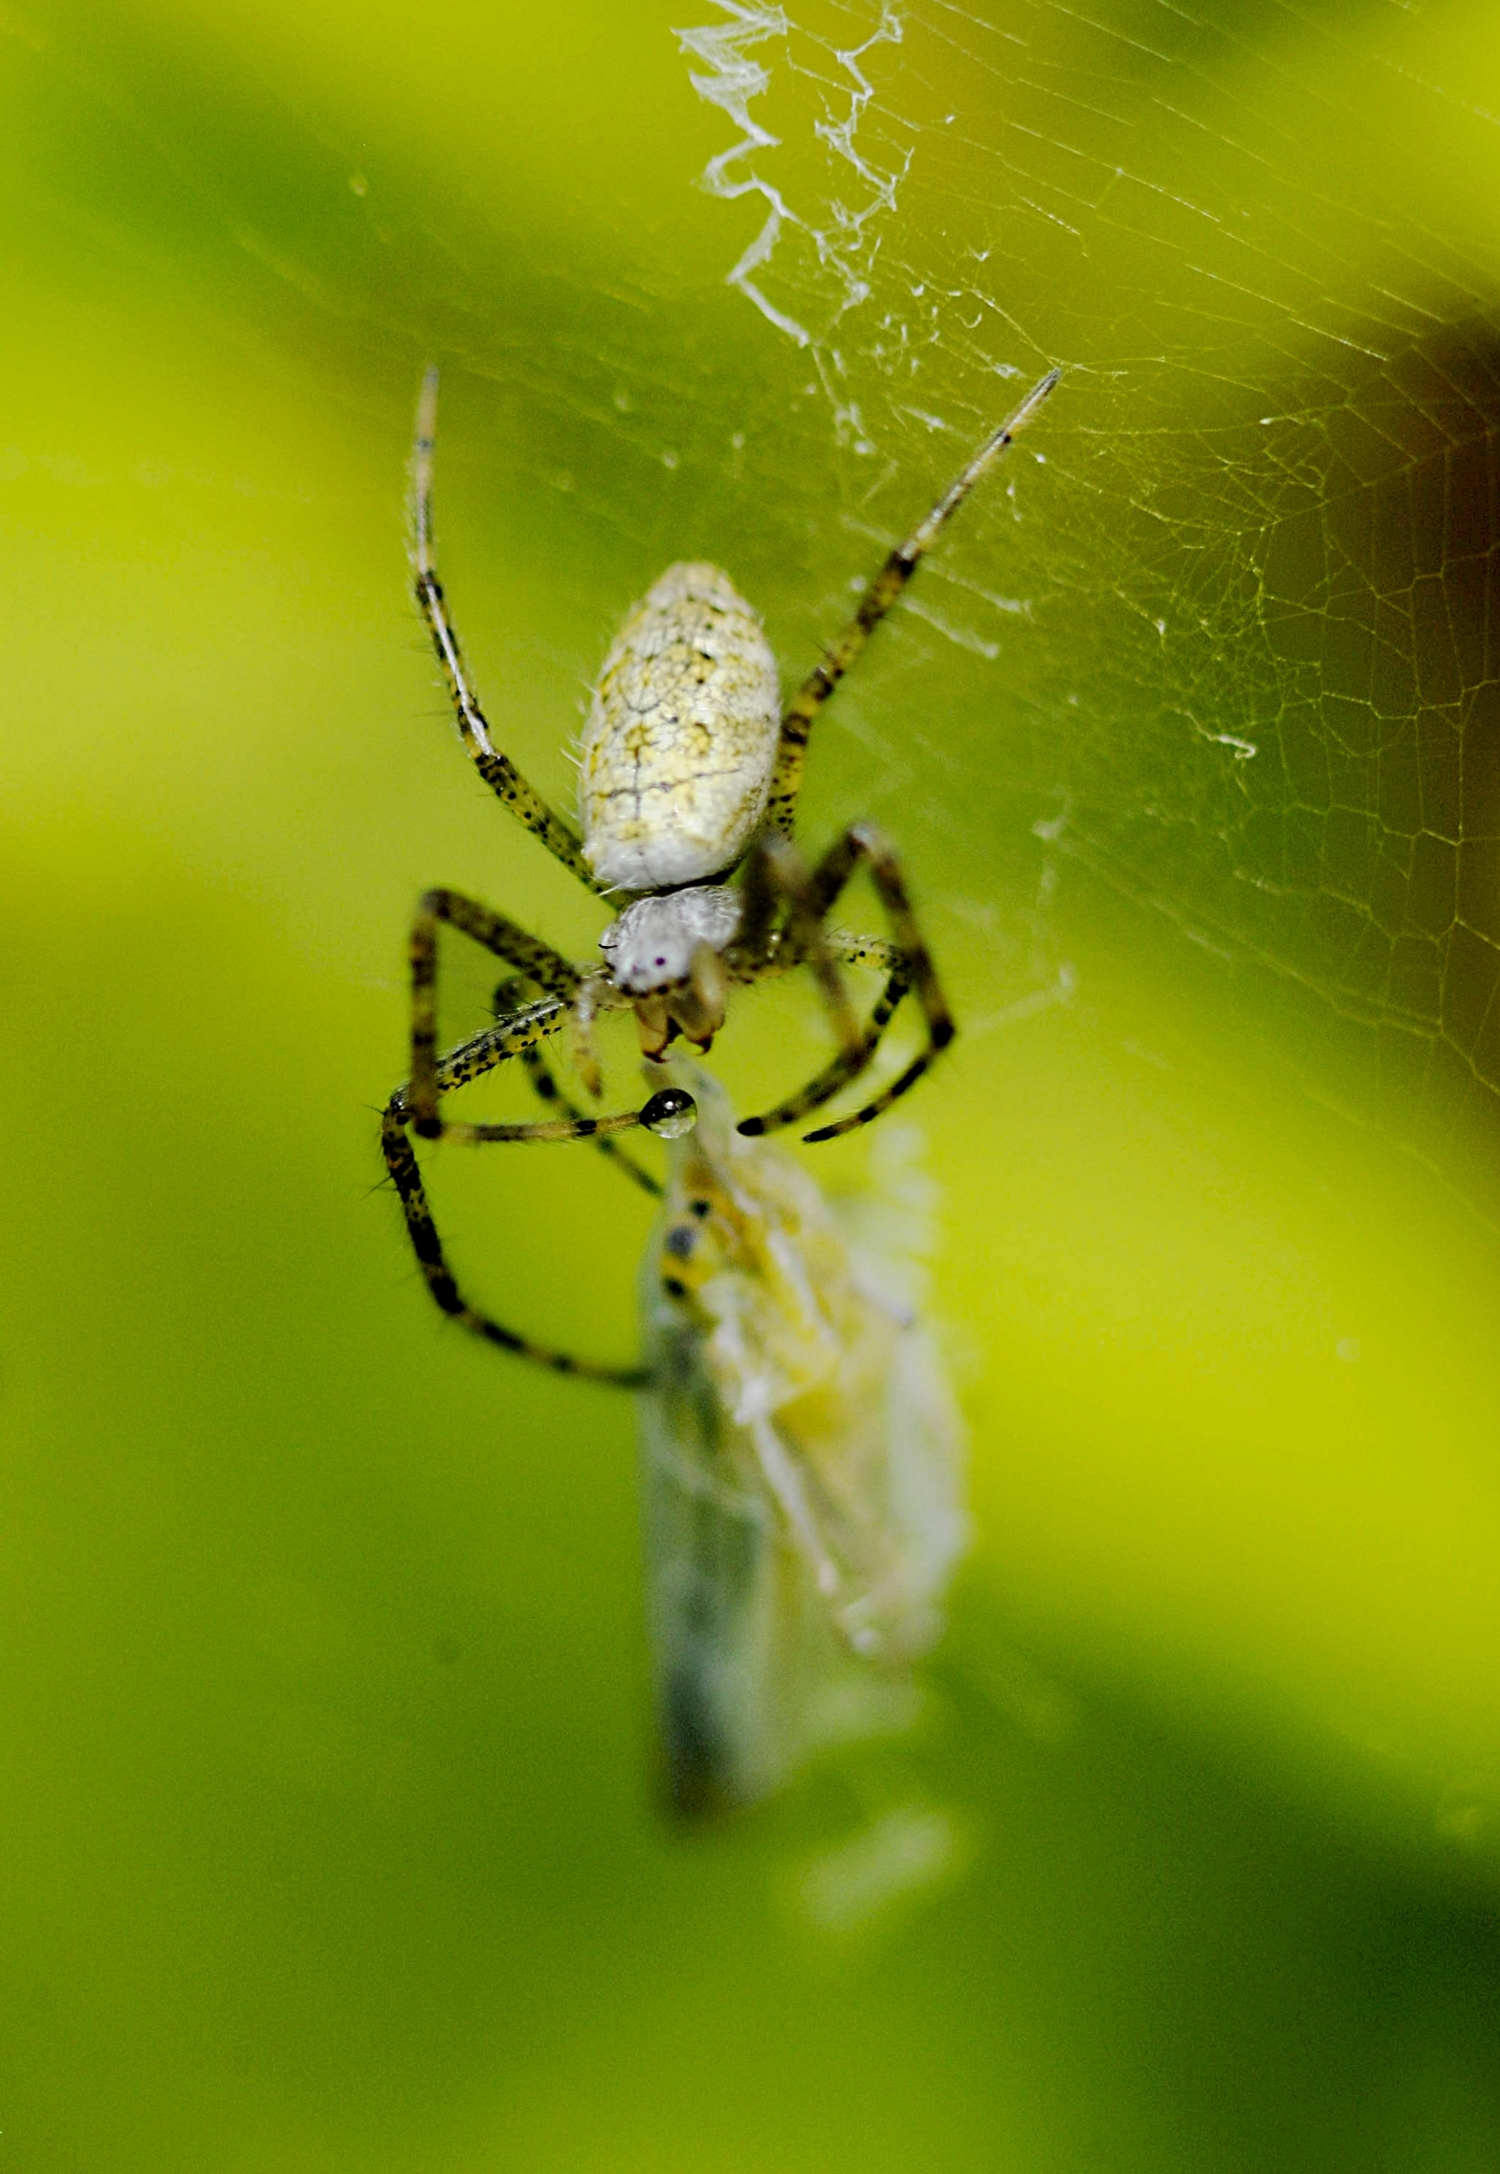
{"x": 689, "y": 773}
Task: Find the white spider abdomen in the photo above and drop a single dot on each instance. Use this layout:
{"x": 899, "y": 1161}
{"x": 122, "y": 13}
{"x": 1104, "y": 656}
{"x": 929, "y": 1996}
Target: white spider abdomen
{"x": 681, "y": 736}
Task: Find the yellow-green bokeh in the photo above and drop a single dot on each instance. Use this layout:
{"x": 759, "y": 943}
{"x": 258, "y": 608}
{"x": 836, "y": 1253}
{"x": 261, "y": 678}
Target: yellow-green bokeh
{"x": 323, "y": 1833}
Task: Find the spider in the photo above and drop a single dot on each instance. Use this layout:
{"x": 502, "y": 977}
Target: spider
{"x": 689, "y": 773}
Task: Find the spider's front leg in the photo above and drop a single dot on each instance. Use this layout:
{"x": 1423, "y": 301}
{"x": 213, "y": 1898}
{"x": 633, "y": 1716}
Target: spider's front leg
{"x": 497, "y": 769}
{"x": 544, "y": 1082}
{"x": 416, "y": 1104}
{"x": 777, "y": 877}
{"x": 507, "y": 1038}
{"x": 544, "y": 968}
{"x": 908, "y": 964}
{"x": 668, "y": 1113}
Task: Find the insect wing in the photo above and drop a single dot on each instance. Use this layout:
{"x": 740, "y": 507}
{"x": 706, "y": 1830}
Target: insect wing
{"x": 736, "y": 1626}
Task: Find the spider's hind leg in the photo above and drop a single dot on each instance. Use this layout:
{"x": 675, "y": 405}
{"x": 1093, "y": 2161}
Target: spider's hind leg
{"x": 909, "y": 966}
{"x": 801, "y": 713}
{"x": 777, "y": 878}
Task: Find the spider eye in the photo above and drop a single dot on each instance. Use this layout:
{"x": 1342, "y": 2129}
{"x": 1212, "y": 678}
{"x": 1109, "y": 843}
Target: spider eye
{"x": 681, "y": 1239}
{"x": 660, "y": 961}
{"x": 670, "y": 1114}
{"x": 674, "y": 1287}
{"x": 698, "y": 1207}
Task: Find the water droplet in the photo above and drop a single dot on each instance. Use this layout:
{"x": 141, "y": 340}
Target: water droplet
{"x": 671, "y": 1114}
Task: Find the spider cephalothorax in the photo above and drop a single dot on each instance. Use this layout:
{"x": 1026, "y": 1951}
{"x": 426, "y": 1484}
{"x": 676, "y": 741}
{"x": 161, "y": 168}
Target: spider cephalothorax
{"x": 667, "y": 951}
{"x": 688, "y": 778}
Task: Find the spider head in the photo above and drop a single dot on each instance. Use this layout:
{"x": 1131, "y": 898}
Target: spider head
{"x": 651, "y": 945}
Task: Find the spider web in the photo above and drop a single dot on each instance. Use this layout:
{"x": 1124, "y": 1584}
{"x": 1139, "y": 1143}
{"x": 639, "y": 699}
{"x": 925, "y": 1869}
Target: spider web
{"x": 1256, "y": 669}
{"x": 1221, "y": 632}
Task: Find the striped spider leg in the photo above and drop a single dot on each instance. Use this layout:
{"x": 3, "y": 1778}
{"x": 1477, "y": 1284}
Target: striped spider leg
{"x": 906, "y": 963}
{"x": 545, "y": 1086}
{"x": 802, "y": 711}
{"x": 497, "y": 770}
{"x": 514, "y": 1033}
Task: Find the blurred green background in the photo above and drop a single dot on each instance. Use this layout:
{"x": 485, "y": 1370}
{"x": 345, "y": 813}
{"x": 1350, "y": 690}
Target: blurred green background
{"x": 324, "y": 1840}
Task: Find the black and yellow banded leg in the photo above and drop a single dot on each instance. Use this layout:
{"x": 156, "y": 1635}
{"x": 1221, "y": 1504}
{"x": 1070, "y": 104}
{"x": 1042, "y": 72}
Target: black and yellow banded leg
{"x": 912, "y": 969}
{"x": 540, "y": 1074}
{"x": 802, "y": 711}
{"x": 544, "y": 1083}
{"x": 401, "y": 1161}
{"x": 778, "y": 880}
{"x": 862, "y": 841}
{"x": 493, "y": 1045}
{"x": 546, "y": 1086}
{"x": 839, "y": 1072}
{"x": 669, "y": 1111}
{"x": 497, "y": 770}
{"x": 537, "y": 962}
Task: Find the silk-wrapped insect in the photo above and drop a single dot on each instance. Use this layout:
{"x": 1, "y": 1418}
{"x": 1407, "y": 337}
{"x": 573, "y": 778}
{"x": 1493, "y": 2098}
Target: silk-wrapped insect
{"x": 802, "y": 1466}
